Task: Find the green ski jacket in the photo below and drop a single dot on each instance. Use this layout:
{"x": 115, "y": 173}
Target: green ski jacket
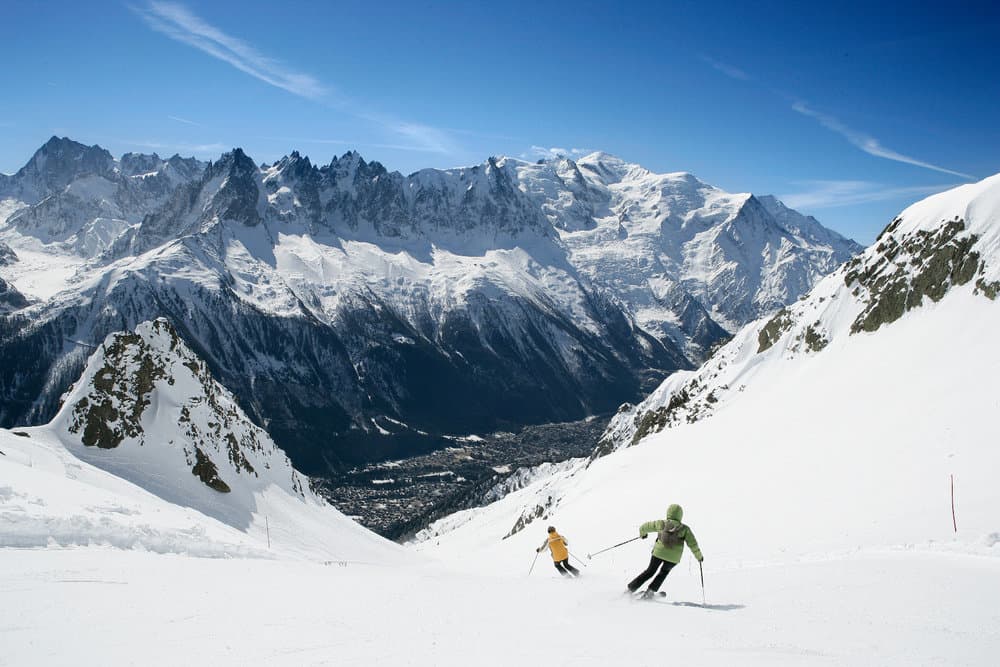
{"x": 672, "y": 553}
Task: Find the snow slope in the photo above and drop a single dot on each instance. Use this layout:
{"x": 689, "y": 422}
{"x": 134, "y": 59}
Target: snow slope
{"x": 862, "y": 610}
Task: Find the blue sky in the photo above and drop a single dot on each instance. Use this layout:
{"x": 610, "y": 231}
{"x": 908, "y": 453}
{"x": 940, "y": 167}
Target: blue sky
{"x": 848, "y": 113}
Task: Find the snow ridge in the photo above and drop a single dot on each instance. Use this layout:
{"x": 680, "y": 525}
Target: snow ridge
{"x": 148, "y": 398}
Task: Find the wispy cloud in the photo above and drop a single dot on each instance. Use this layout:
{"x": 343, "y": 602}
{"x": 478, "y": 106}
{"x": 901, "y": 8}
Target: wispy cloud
{"x": 300, "y": 141}
{"x": 862, "y": 140}
{"x": 867, "y": 143}
{"x": 178, "y": 23}
{"x": 184, "y": 121}
{"x": 554, "y": 152}
{"x": 190, "y": 149}
{"x": 833, "y": 194}
{"x": 429, "y": 138}
{"x": 727, "y": 69}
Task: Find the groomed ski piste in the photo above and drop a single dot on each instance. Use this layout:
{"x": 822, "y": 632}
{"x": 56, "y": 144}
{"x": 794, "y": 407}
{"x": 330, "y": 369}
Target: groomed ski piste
{"x": 819, "y": 489}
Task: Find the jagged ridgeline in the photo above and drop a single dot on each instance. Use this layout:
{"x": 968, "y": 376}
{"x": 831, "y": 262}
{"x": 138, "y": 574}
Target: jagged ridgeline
{"x": 945, "y": 243}
{"x": 359, "y": 314}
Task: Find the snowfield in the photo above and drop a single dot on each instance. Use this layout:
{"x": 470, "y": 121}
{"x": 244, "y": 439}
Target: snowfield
{"x": 113, "y": 607}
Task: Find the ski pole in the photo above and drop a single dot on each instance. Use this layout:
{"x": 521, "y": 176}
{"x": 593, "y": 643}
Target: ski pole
{"x": 614, "y": 547}
{"x": 701, "y": 571}
{"x": 533, "y": 563}
{"x": 577, "y": 559}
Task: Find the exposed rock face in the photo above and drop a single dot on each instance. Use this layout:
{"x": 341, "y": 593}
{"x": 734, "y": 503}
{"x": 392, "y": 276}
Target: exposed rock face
{"x": 148, "y": 397}
{"x": 10, "y": 298}
{"x": 906, "y": 269}
{"x": 7, "y": 255}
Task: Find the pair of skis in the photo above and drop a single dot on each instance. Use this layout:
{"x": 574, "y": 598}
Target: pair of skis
{"x": 644, "y": 595}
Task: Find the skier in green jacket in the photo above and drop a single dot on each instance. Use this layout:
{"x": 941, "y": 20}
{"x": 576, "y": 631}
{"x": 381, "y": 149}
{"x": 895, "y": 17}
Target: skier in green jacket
{"x": 667, "y": 551}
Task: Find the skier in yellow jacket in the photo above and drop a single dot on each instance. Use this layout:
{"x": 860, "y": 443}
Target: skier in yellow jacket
{"x": 560, "y": 554}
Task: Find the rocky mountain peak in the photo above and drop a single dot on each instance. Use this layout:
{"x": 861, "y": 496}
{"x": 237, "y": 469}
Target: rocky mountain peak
{"x": 346, "y": 168}
{"x": 234, "y": 163}
{"x": 135, "y": 164}
{"x": 293, "y": 168}
{"x": 147, "y": 396}
{"x": 185, "y": 168}
{"x": 58, "y": 163}
{"x": 238, "y": 195}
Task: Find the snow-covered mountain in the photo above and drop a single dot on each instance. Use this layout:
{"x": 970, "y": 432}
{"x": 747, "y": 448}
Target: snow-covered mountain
{"x": 836, "y": 425}
{"x": 688, "y": 258}
{"x": 358, "y": 313}
{"x": 83, "y": 199}
{"x": 159, "y": 456}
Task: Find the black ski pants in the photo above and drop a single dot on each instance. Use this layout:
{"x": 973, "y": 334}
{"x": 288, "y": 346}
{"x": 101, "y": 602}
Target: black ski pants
{"x": 565, "y": 569}
{"x": 654, "y": 563}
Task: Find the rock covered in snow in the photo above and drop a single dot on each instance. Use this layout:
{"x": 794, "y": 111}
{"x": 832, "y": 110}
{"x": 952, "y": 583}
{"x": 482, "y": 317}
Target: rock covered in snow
{"x": 148, "y": 409}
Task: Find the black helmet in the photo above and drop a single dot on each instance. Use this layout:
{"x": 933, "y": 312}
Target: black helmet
{"x": 552, "y": 529}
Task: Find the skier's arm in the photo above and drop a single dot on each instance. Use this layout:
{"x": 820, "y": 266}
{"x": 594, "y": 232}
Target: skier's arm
{"x": 650, "y": 527}
{"x": 545, "y": 543}
{"x": 693, "y": 545}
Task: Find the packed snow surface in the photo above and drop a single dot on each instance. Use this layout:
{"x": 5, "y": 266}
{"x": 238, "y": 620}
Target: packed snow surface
{"x": 875, "y": 609}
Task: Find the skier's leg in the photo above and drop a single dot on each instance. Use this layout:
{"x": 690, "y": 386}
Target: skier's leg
{"x": 576, "y": 572}
{"x": 664, "y": 571}
{"x": 559, "y": 567}
{"x": 654, "y": 563}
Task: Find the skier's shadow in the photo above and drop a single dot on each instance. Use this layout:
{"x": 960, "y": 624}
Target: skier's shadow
{"x": 713, "y": 607}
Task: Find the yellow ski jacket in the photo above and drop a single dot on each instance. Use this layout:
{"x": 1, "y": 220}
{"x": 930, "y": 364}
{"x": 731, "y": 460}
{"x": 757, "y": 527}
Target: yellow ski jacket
{"x": 557, "y": 545}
